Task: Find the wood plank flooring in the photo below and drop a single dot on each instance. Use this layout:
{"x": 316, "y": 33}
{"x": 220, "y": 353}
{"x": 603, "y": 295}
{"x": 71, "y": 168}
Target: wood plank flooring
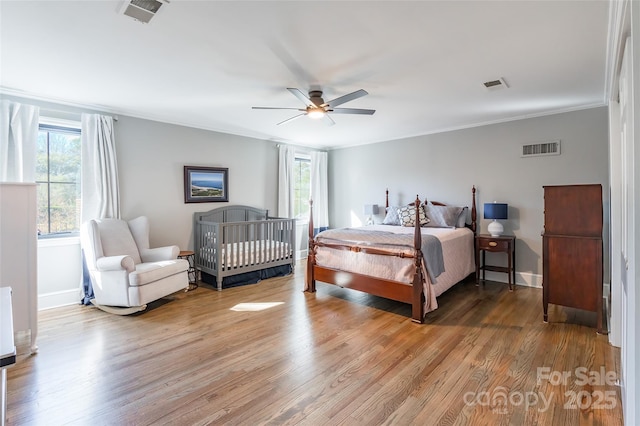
{"x": 336, "y": 357}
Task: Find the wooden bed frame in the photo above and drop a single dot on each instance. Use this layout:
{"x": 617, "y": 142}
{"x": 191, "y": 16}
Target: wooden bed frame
{"x": 412, "y": 294}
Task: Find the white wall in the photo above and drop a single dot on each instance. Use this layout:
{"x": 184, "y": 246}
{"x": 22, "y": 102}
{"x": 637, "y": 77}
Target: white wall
{"x": 444, "y": 167}
{"x": 631, "y": 331}
{"x": 151, "y": 157}
{"x": 59, "y": 272}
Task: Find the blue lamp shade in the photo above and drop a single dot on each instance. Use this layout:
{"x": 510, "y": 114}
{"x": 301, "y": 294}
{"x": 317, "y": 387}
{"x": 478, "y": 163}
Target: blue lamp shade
{"x": 496, "y": 211}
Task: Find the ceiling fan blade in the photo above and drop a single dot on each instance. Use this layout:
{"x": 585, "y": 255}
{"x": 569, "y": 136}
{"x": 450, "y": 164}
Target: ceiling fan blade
{"x": 296, "y": 109}
{"x": 329, "y": 120}
{"x": 346, "y": 98}
{"x": 298, "y": 94}
{"x": 352, "y": 111}
{"x": 291, "y": 119}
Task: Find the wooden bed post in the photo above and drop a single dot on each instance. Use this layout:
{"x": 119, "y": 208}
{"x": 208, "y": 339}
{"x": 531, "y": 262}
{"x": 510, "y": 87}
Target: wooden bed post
{"x": 473, "y": 210}
{"x": 386, "y": 206}
{"x": 311, "y": 255}
{"x": 417, "y": 306}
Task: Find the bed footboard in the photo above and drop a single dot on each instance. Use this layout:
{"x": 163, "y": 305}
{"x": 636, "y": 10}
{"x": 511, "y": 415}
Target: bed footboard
{"x": 413, "y": 294}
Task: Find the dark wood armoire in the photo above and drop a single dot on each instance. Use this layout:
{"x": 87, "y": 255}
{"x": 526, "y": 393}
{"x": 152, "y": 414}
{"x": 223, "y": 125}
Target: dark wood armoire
{"x": 572, "y": 248}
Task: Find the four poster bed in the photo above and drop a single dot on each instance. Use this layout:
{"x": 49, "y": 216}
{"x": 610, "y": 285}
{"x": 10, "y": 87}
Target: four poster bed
{"x": 411, "y": 258}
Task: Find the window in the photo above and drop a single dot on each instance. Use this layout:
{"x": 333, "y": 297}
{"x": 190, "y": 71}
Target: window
{"x": 301, "y": 186}
{"x": 58, "y": 180}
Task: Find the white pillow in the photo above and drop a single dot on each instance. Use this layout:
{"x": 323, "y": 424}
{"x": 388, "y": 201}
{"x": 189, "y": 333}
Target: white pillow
{"x": 462, "y": 219}
{"x": 442, "y": 216}
{"x": 391, "y": 217}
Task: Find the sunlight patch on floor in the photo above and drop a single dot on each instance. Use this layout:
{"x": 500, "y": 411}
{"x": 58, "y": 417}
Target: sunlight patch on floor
{"x": 258, "y": 306}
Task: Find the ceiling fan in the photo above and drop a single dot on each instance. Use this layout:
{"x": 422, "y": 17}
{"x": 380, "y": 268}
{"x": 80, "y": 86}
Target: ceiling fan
{"x": 316, "y": 107}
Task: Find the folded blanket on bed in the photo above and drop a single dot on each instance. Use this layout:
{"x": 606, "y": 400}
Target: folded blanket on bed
{"x": 431, "y": 245}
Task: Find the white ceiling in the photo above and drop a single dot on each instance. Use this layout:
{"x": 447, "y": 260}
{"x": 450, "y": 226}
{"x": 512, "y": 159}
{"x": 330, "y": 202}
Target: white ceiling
{"x": 206, "y": 63}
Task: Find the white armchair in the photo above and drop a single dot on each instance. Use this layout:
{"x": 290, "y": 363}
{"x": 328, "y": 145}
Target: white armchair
{"x": 124, "y": 271}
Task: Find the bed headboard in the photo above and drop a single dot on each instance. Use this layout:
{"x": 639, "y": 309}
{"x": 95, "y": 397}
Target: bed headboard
{"x": 474, "y": 214}
{"x": 232, "y": 214}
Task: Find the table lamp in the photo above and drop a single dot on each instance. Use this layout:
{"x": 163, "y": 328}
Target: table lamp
{"x": 370, "y": 209}
{"x": 496, "y": 211}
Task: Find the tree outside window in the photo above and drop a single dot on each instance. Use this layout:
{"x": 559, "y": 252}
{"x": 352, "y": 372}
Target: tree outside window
{"x": 58, "y": 180}
{"x": 301, "y": 187}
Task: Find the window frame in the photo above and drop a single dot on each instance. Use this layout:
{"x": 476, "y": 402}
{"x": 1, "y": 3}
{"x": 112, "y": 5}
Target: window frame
{"x": 306, "y": 158}
{"x": 60, "y": 126}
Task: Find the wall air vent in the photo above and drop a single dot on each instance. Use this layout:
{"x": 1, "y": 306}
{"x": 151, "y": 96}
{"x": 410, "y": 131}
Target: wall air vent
{"x": 541, "y": 149}
{"x": 142, "y": 10}
{"x": 496, "y": 84}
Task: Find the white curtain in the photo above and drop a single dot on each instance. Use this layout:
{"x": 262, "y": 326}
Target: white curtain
{"x": 100, "y": 191}
{"x": 18, "y": 140}
{"x": 319, "y": 190}
{"x": 286, "y": 161}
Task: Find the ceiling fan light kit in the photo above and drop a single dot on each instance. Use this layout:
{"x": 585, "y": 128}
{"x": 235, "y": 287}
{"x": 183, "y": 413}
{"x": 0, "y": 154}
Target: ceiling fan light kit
{"x": 317, "y": 108}
{"x": 315, "y": 113}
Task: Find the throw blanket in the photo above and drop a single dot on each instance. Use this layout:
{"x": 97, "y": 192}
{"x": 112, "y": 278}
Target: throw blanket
{"x": 431, "y": 245}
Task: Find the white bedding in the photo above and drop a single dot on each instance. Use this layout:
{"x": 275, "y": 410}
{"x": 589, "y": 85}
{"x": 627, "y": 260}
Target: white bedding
{"x": 457, "y": 250}
{"x": 249, "y": 253}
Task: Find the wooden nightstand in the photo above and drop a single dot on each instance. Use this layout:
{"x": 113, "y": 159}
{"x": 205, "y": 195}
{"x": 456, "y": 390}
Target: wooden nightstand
{"x": 502, "y": 244}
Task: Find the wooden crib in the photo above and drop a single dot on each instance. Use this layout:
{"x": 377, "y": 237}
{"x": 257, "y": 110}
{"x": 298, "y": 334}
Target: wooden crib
{"x": 242, "y": 244}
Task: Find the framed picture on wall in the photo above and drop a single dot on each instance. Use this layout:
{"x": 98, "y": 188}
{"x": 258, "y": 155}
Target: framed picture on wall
{"x": 206, "y": 184}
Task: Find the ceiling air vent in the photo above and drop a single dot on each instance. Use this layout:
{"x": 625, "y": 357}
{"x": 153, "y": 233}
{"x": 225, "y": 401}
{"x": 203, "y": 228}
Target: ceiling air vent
{"x": 142, "y": 10}
{"x": 541, "y": 149}
{"x": 496, "y": 84}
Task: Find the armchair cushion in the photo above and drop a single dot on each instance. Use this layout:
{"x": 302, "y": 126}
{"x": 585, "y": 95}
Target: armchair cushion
{"x": 116, "y": 239}
{"x": 146, "y": 273}
{"x": 159, "y": 253}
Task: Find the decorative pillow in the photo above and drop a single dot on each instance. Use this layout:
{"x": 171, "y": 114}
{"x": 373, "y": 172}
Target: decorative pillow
{"x": 442, "y": 216}
{"x": 462, "y": 219}
{"x": 407, "y": 215}
{"x": 392, "y": 216}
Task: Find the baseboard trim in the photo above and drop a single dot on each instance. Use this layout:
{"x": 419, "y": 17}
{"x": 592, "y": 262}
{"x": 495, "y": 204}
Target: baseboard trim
{"x": 525, "y": 279}
{"x": 56, "y": 299}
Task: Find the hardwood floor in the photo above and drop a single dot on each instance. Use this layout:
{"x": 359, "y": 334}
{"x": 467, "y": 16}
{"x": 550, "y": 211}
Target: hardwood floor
{"x": 334, "y": 357}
